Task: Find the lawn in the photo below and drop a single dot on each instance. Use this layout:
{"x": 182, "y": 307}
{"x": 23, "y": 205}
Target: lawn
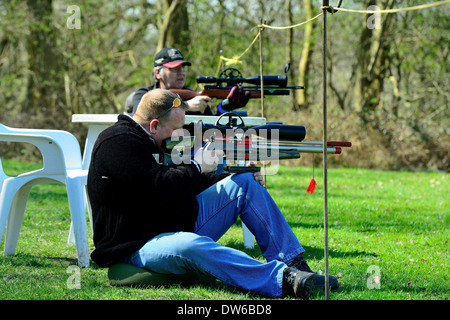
{"x": 388, "y": 240}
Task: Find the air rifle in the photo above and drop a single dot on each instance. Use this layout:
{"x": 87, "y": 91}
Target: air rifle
{"x": 220, "y": 87}
{"x": 270, "y": 142}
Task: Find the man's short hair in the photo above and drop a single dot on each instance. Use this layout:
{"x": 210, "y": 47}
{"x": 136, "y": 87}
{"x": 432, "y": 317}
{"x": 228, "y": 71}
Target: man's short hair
{"x": 155, "y": 103}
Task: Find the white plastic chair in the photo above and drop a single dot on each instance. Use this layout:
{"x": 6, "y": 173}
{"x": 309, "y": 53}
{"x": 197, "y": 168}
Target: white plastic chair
{"x": 62, "y": 165}
{"x": 249, "y": 239}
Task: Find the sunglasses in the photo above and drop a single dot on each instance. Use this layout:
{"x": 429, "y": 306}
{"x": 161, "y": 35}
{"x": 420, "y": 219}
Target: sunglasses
{"x": 175, "y": 104}
{"x": 178, "y": 69}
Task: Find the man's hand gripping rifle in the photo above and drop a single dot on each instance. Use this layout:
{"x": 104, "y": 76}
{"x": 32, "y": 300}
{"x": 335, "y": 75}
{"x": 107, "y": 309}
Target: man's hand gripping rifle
{"x": 240, "y": 144}
{"x": 229, "y": 86}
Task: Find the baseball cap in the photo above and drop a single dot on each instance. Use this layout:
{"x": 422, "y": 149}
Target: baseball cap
{"x": 170, "y": 58}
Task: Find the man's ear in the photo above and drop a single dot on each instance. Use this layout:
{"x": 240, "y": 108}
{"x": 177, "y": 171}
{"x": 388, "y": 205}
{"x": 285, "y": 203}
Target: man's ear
{"x": 157, "y": 74}
{"x": 154, "y": 126}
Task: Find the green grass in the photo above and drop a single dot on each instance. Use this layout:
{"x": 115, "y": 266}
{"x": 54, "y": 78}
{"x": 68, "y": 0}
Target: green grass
{"x": 395, "y": 222}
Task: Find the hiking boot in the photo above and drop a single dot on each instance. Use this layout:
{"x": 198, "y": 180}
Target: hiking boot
{"x": 319, "y": 283}
{"x": 299, "y": 263}
{"x": 297, "y": 283}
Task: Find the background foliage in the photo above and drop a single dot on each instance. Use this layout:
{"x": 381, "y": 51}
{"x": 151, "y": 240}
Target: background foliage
{"x": 388, "y": 87}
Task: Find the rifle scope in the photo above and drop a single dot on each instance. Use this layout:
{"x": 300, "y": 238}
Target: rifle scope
{"x": 279, "y": 80}
{"x": 286, "y": 132}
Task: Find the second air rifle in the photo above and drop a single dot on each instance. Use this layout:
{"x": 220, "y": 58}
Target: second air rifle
{"x": 220, "y": 87}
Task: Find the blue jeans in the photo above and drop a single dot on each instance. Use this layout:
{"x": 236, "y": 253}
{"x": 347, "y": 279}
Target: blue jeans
{"x": 181, "y": 252}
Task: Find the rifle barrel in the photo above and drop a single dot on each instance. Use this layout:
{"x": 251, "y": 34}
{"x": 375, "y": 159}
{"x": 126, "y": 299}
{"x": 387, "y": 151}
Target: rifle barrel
{"x": 299, "y": 148}
{"x": 311, "y": 149}
{"x": 272, "y": 150}
{"x": 345, "y": 144}
{"x": 222, "y": 92}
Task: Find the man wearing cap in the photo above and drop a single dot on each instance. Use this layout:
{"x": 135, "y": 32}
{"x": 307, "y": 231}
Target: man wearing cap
{"x": 170, "y": 73}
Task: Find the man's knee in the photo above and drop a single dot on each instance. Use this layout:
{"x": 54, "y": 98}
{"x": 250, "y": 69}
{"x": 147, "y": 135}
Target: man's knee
{"x": 191, "y": 243}
{"x": 243, "y": 178}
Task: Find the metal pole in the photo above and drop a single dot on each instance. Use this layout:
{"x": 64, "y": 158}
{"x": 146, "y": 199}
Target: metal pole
{"x": 325, "y": 3}
{"x": 261, "y": 28}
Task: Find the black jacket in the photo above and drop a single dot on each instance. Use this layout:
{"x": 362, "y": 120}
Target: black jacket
{"x": 133, "y": 198}
{"x": 140, "y": 92}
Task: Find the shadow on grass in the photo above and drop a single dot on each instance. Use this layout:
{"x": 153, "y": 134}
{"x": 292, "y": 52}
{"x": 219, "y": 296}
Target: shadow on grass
{"x": 48, "y": 192}
{"x": 316, "y": 253}
{"x": 38, "y": 261}
{"x": 319, "y": 253}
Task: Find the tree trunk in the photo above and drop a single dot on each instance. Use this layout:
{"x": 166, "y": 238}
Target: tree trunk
{"x": 305, "y": 61}
{"x": 373, "y": 59}
{"x": 45, "y": 89}
{"x": 174, "y": 28}
{"x": 289, "y": 53}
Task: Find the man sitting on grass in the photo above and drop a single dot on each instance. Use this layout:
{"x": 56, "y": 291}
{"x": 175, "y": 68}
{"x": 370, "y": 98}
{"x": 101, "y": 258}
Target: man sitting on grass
{"x": 167, "y": 219}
